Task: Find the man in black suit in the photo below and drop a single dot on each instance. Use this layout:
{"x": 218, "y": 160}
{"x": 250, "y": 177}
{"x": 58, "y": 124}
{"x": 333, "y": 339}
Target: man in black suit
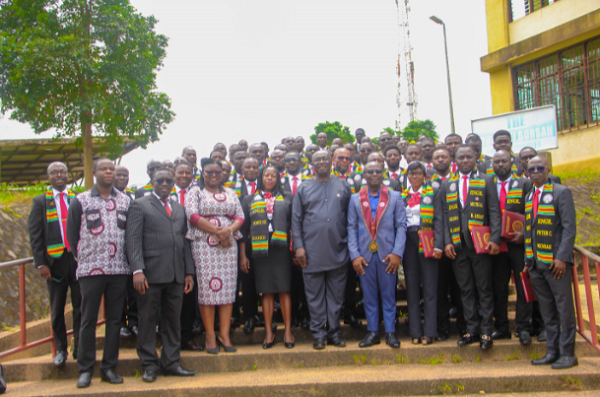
{"x": 53, "y": 258}
{"x": 550, "y": 230}
{"x": 468, "y": 200}
{"x": 161, "y": 261}
{"x": 502, "y": 141}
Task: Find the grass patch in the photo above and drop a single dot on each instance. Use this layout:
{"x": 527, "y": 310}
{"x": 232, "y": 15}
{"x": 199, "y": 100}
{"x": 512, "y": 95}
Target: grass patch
{"x": 359, "y": 360}
{"x": 12, "y": 194}
{"x": 455, "y": 388}
{"x": 457, "y": 359}
{"x": 513, "y": 357}
{"x": 434, "y": 360}
{"x": 401, "y": 359}
{"x": 573, "y": 384}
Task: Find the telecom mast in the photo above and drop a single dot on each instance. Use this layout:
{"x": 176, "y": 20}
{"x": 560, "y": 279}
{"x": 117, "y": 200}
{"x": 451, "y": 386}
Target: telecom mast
{"x": 406, "y": 98}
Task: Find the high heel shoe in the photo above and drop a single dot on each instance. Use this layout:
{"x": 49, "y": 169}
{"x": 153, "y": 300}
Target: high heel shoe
{"x": 268, "y": 345}
{"x": 228, "y": 349}
{"x": 289, "y": 345}
{"x": 214, "y": 350}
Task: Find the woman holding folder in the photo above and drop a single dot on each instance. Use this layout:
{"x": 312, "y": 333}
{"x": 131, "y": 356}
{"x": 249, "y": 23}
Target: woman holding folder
{"x": 424, "y": 245}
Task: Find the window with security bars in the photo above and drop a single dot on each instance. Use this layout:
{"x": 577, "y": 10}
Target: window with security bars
{"x": 520, "y": 8}
{"x": 569, "y": 79}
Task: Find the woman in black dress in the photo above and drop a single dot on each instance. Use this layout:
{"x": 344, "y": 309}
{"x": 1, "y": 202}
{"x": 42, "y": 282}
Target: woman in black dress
{"x": 266, "y": 230}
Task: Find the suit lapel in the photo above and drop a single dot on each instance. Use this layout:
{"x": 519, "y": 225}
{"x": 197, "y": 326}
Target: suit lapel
{"x": 159, "y": 206}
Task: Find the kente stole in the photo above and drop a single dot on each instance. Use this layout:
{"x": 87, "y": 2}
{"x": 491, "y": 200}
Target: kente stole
{"x": 426, "y": 209}
{"x": 544, "y": 222}
{"x": 476, "y": 201}
{"x": 54, "y": 245}
{"x": 259, "y": 224}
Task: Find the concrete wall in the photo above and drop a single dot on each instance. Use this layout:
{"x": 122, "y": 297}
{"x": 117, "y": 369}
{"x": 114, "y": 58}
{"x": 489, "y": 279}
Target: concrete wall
{"x": 549, "y": 17}
{"x": 577, "y": 151}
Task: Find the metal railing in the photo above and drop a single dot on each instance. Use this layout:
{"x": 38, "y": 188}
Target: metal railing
{"x": 585, "y": 257}
{"x": 22, "y": 263}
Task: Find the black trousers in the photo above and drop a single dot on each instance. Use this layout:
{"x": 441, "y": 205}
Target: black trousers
{"x": 58, "y": 287}
{"x": 447, "y": 285}
{"x": 325, "y": 296}
{"x": 299, "y": 304}
{"x": 130, "y": 311}
{"x": 114, "y": 289}
{"x": 556, "y": 304}
{"x": 418, "y": 271}
{"x": 474, "y": 277}
{"x": 188, "y": 314}
{"x": 164, "y": 301}
{"x": 502, "y": 265}
{"x": 248, "y": 301}
{"x": 351, "y": 295}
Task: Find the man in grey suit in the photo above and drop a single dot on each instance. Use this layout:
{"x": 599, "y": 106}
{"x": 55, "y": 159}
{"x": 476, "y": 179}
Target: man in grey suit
{"x": 550, "y": 231}
{"x": 161, "y": 262}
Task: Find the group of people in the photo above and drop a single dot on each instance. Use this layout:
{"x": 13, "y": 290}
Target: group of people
{"x": 308, "y": 230}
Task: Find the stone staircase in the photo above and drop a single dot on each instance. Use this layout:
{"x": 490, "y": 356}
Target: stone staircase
{"x": 439, "y": 369}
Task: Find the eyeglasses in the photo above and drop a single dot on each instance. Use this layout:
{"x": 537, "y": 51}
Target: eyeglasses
{"x": 290, "y": 159}
{"x": 161, "y": 181}
{"x": 61, "y": 172}
{"x": 415, "y": 173}
{"x": 211, "y": 173}
{"x": 344, "y": 158}
{"x": 366, "y": 150}
{"x": 385, "y": 139}
{"x": 539, "y": 168}
{"x": 374, "y": 172}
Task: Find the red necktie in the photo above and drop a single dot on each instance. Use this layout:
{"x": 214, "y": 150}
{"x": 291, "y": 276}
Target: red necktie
{"x": 394, "y": 175}
{"x": 253, "y": 186}
{"x": 536, "y": 201}
{"x": 415, "y": 199}
{"x": 294, "y": 185}
{"x": 503, "y": 197}
{"x": 63, "y": 218}
{"x": 429, "y": 165}
{"x": 166, "y": 204}
{"x": 453, "y": 167}
{"x": 182, "y": 197}
{"x": 465, "y": 190}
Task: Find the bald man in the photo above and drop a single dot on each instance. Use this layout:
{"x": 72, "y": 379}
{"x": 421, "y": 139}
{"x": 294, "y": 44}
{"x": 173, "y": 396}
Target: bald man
{"x": 53, "y": 258}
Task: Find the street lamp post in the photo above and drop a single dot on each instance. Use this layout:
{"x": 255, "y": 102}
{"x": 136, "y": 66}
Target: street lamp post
{"x": 439, "y": 21}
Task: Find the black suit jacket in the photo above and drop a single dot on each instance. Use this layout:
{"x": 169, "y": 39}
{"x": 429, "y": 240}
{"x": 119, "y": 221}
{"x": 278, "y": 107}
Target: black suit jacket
{"x": 489, "y": 181}
{"x": 156, "y": 242}
{"x": 38, "y": 235}
{"x": 491, "y": 213}
{"x": 564, "y": 228}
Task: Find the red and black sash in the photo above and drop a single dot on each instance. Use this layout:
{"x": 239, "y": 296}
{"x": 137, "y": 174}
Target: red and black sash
{"x": 365, "y": 206}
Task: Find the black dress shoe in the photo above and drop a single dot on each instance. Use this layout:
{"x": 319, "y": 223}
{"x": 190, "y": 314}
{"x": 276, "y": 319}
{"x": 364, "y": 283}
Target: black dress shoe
{"x": 549, "y": 358}
{"x": 135, "y": 330}
{"x": 2, "y": 381}
{"x": 111, "y": 377}
{"x": 352, "y": 321}
{"x": 268, "y": 345}
{"x": 466, "y": 339}
{"x": 498, "y": 335}
{"x": 565, "y": 362}
{"x": 259, "y": 321}
{"x": 60, "y": 359}
{"x": 319, "y": 344}
{"x": 370, "y": 339}
{"x": 249, "y": 326}
{"x": 305, "y": 323}
{"x": 542, "y": 336}
{"x": 235, "y": 323}
{"x": 336, "y": 341}
{"x": 391, "y": 340}
{"x": 149, "y": 376}
{"x": 486, "y": 342}
{"x": 198, "y": 327}
{"x": 125, "y": 332}
{"x": 85, "y": 379}
{"x": 180, "y": 371}
{"x": 289, "y": 345}
{"x": 442, "y": 336}
{"x": 192, "y": 346}
{"x": 524, "y": 338}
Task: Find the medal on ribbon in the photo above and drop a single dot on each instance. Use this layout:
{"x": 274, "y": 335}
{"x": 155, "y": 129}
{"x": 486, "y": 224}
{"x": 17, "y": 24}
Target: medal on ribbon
{"x": 373, "y": 224}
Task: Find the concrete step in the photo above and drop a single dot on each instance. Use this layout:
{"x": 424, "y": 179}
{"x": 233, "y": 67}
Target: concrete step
{"x": 249, "y": 358}
{"x": 352, "y": 380}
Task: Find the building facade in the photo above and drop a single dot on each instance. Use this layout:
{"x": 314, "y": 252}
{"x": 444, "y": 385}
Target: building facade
{"x": 544, "y": 52}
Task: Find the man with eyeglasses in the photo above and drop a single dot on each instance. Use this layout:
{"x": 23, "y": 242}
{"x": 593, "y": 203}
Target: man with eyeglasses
{"x": 366, "y": 148}
{"x": 468, "y": 200}
{"x": 384, "y": 140}
{"x": 147, "y": 189}
{"x": 550, "y": 230}
{"x": 360, "y": 180}
{"x": 96, "y": 226}
{"x": 163, "y": 271}
{"x": 526, "y": 154}
{"x": 53, "y": 258}
{"x": 376, "y": 237}
{"x": 319, "y": 220}
{"x": 292, "y": 178}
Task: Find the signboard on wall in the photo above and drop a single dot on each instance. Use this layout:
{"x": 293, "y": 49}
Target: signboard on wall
{"x": 532, "y": 127}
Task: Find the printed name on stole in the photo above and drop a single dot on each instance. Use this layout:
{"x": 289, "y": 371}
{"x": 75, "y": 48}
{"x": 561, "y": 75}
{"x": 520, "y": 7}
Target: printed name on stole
{"x": 545, "y": 221}
{"x": 476, "y": 192}
{"x": 544, "y": 233}
{"x": 259, "y": 238}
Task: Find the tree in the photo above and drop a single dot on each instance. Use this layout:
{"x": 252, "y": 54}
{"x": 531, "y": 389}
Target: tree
{"x": 82, "y": 66}
{"x": 333, "y": 130}
{"x": 391, "y": 131}
{"x": 414, "y": 129}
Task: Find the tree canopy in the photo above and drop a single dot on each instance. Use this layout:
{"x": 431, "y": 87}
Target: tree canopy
{"x": 414, "y": 129}
{"x": 82, "y": 67}
{"x": 333, "y": 130}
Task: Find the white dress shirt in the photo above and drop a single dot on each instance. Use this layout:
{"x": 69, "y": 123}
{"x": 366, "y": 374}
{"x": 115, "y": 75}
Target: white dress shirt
{"x": 178, "y": 189}
{"x": 56, "y": 194}
{"x": 291, "y": 179}
{"x": 499, "y": 185}
{"x": 249, "y": 187}
{"x": 462, "y": 194}
{"x": 413, "y": 214}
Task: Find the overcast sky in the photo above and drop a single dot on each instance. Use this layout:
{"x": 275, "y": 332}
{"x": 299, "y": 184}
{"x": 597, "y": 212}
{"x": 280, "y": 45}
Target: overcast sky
{"x": 266, "y": 69}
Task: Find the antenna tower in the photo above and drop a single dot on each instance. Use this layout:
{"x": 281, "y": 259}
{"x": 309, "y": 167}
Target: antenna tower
{"x": 406, "y": 98}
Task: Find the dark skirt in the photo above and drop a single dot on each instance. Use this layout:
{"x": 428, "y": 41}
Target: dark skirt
{"x": 273, "y": 274}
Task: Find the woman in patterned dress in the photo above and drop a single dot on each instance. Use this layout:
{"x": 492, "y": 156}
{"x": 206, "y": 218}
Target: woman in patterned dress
{"x": 215, "y": 215}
